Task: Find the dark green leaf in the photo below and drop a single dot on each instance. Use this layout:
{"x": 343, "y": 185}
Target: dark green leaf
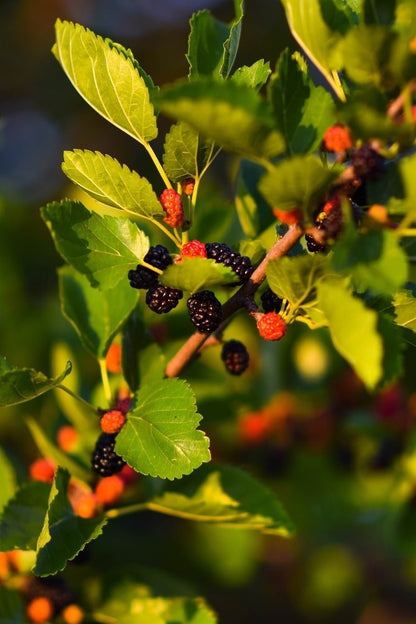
{"x": 233, "y": 116}
{"x": 193, "y": 274}
{"x": 375, "y": 260}
{"x": 206, "y": 45}
{"x": 18, "y": 385}
{"x": 107, "y": 79}
{"x": 393, "y": 346}
{"x": 133, "y": 341}
{"x": 185, "y": 153}
{"x": 379, "y": 11}
{"x": 11, "y": 607}
{"x": 405, "y": 18}
{"x": 341, "y": 15}
{"x": 63, "y": 534}
{"x": 353, "y": 329}
{"x": 103, "y": 248}
{"x": 254, "y": 76}
{"x": 302, "y": 111}
{"x": 224, "y": 495}
{"x": 23, "y": 516}
{"x": 96, "y": 315}
{"x": 160, "y": 438}
{"x": 253, "y": 211}
{"x": 407, "y": 172}
{"x": 299, "y": 181}
{"x": 112, "y": 183}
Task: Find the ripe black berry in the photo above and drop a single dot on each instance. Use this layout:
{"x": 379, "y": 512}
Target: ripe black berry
{"x": 313, "y": 245}
{"x": 162, "y": 299}
{"x": 104, "y": 460}
{"x": 367, "y": 162}
{"x": 143, "y": 277}
{"x": 270, "y": 301}
{"x": 223, "y": 254}
{"x": 235, "y": 357}
{"x": 204, "y": 311}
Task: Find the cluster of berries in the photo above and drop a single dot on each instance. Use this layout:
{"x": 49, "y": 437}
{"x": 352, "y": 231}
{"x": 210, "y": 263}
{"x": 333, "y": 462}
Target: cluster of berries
{"x": 105, "y": 460}
{"x": 328, "y": 218}
{"x": 204, "y": 308}
{"x": 44, "y": 598}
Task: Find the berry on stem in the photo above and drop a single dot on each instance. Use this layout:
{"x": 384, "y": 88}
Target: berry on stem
{"x": 172, "y": 205}
{"x": 368, "y": 164}
{"x": 142, "y": 276}
{"x": 112, "y": 421}
{"x": 290, "y": 217}
{"x": 271, "y": 326}
{"x": 113, "y": 358}
{"x": 104, "y": 459}
{"x": 193, "y": 249}
{"x": 162, "y": 299}
{"x": 337, "y": 138}
{"x": 39, "y": 610}
{"x": 73, "y": 614}
{"x": 223, "y": 254}
{"x": 67, "y": 438}
{"x": 42, "y": 469}
{"x": 109, "y": 490}
{"x": 235, "y": 357}
{"x": 270, "y": 301}
{"x": 204, "y": 311}
{"x": 188, "y": 186}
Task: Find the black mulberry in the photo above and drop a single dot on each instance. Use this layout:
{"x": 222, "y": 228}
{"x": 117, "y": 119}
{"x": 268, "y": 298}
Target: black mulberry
{"x": 204, "y": 311}
{"x": 104, "y": 460}
{"x": 223, "y": 254}
{"x": 162, "y": 299}
{"x": 143, "y": 277}
{"x": 235, "y": 357}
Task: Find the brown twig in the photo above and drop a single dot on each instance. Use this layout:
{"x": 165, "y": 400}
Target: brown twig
{"x": 190, "y": 348}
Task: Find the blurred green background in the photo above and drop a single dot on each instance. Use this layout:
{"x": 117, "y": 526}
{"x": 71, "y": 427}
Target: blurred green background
{"x": 341, "y": 461}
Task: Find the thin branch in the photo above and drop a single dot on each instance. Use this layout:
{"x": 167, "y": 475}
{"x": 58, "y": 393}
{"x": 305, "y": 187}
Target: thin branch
{"x": 190, "y": 348}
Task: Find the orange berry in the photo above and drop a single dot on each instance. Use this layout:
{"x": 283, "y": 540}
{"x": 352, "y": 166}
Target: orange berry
{"x": 188, "y": 186}
{"x": 109, "y": 490}
{"x": 67, "y": 438}
{"x": 42, "y": 469}
{"x": 193, "y": 249}
{"x": 72, "y": 614}
{"x": 379, "y": 213}
{"x": 85, "y": 506}
{"x": 4, "y": 566}
{"x": 290, "y": 217}
{"x": 337, "y": 139}
{"x": 412, "y": 45}
{"x": 113, "y": 359}
{"x": 40, "y": 610}
{"x": 253, "y": 427}
{"x": 112, "y": 421}
{"x": 271, "y": 326}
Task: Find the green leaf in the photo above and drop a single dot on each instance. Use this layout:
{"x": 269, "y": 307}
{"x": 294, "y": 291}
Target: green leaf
{"x": 131, "y": 602}
{"x": 312, "y": 33}
{"x": 405, "y": 307}
{"x": 23, "y": 516}
{"x": 185, "y": 154}
{"x": 50, "y": 450}
{"x": 253, "y": 211}
{"x": 18, "y": 385}
{"x": 365, "y": 52}
{"x": 341, "y": 15}
{"x": 160, "y": 438}
{"x": 380, "y": 12}
{"x": 295, "y": 279}
{"x": 298, "y": 181}
{"x": 375, "y": 260}
{"x": 405, "y": 18}
{"x": 102, "y": 248}
{"x": 193, "y": 274}
{"x": 407, "y": 171}
{"x": 302, "y": 111}
{"x": 224, "y": 495}
{"x": 8, "y": 479}
{"x": 112, "y": 183}
{"x": 393, "y": 347}
{"x": 232, "y": 115}
{"x": 11, "y": 607}
{"x": 63, "y": 534}
{"x": 254, "y": 76}
{"x": 134, "y": 339}
{"x": 353, "y": 329}
{"x": 107, "y": 79}
{"x": 212, "y": 45}
{"x": 96, "y": 315}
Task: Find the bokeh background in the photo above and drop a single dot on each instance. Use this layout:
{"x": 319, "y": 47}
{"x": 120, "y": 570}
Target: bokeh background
{"x": 341, "y": 460}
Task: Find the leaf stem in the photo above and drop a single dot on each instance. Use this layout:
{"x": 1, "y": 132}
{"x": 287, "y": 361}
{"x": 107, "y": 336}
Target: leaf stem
{"x": 157, "y": 164}
{"x": 124, "y": 511}
{"x": 166, "y": 232}
{"x": 337, "y": 86}
{"x": 77, "y": 397}
{"x": 104, "y": 379}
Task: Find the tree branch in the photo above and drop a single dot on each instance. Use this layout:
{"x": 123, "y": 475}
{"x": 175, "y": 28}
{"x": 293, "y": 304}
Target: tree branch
{"x": 189, "y": 349}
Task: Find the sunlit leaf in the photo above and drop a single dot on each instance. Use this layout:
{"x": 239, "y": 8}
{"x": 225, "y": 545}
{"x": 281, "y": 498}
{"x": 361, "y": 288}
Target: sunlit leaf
{"x": 193, "y": 274}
